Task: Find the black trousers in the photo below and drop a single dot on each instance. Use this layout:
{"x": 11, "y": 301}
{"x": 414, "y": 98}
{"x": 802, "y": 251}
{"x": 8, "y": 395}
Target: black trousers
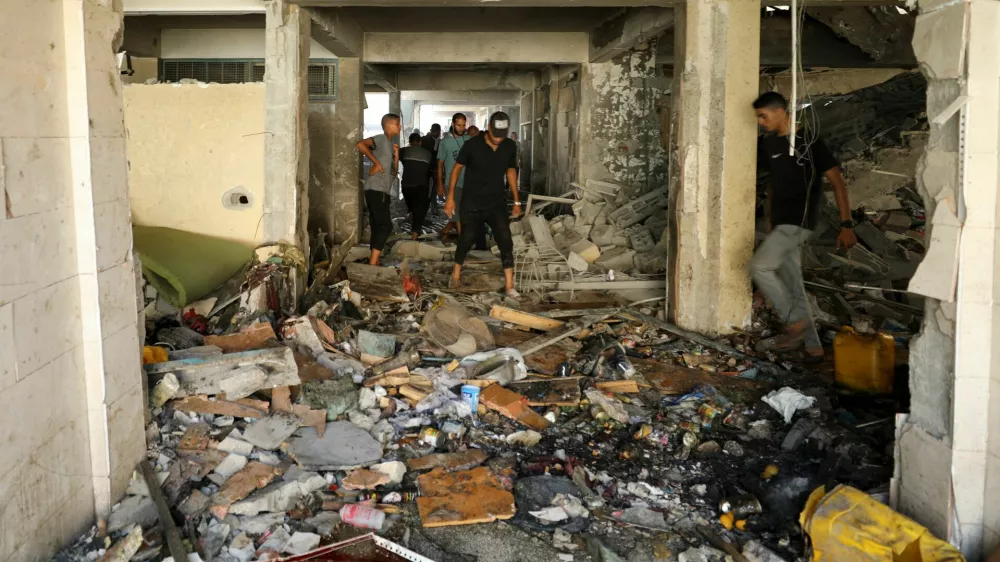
{"x": 473, "y": 223}
{"x": 379, "y": 217}
{"x": 417, "y": 202}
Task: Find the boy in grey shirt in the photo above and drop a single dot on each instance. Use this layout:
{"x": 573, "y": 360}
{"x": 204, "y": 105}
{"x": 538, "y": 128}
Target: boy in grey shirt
{"x": 382, "y": 150}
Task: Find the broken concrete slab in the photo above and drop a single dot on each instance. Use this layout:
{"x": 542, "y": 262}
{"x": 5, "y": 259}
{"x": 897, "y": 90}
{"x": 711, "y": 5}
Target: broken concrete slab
{"x": 203, "y": 375}
{"x": 270, "y": 432}
{"x": 194, "y": 504}
{"x": 236, "y": 446}
{"x": 602, "y": 235}
{"x": 243, "y": 408}
{"x": 140, "y": 510}
{"x": 343, "y": 447}
{"x": 254, "y": 476}
{"x": 303, "y": 333}
{"x": 637, "y": 210}
{"x": 361, "y": 479}
{"x": 617, "y": 259}
{"x": 336, "y": 396}
{"x": 280, "y": 497}
{"x": 462, "y": 498}
{"x": 393, "y": 469}
{"x": 376, "y": 283}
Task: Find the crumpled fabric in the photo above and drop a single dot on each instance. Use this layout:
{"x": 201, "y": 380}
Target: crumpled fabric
{"x": 787, "y": 401}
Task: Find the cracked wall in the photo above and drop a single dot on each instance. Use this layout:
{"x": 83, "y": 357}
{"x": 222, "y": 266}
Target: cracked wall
{"x": 620, "y": 124}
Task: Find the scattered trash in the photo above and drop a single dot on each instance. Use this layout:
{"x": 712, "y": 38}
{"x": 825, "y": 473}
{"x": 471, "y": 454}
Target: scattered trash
{"x": 787, "y": 401}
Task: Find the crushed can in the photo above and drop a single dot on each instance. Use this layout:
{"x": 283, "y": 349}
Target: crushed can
{"x": 707, "y": 412}
{"x": 741, "y": 506}
{"x": 736, "y": 419}
{"x": 432, "y": 437}
{"x": 688, "y": 442}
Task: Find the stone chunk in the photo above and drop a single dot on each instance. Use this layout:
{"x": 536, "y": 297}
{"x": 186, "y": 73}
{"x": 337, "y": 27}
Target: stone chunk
{"x": 342, "y": 447}
{"x": 602, "y": 235}
{"x": 280, "y": 497}
{"x": 134, "y": 509}
{"x": 618, "y": 259}
{"x": 586, "y": 250}
{"x": 270, "y": 432}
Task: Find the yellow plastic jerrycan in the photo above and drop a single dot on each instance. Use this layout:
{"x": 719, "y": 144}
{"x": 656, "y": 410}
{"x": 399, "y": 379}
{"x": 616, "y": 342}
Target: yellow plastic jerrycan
{"x": 864, "y": 362}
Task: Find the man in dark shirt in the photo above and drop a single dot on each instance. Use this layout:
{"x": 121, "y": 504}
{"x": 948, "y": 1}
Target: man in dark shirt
{"x": 490, "y": 162}
{"x": 416, "y": 161}
{"x": 431, "y": 141}
{"x": 794, "y": 196}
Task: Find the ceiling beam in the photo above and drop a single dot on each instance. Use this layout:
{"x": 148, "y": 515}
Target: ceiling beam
{"x": 467, "y": 80}
{"x": 621, "y": 34}
{"x": 820, "y": 48}
{"x": 480, "y": 47}
{"x": 443, "y": 97}
{"x": 381, "y": 78}
{"x": 880, "y": 31}
{"x": 337, "y": 32}
{"x": 560, "y": 3}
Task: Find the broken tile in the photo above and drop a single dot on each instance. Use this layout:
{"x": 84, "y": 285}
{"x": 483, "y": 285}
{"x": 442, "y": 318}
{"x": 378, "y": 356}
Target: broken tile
{"x": 279, "y": 497}
{"x": 270, "y": 432}
{"x": 393, "y": 469}
{"x": 361, "y": 479}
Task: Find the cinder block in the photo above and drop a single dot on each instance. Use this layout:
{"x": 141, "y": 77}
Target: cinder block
{"x": 114, "y": 233}
{"x": 577, "y": 262}
{"x": 602, "y": 235}
{"x": 43, "y": 246}
{"x": 116, "y": 288}
{"x": 618, "y": 258}
{"x": 122, "y": 363}
{"x": 126, "y": 431}
{"x": 37, "y": 175}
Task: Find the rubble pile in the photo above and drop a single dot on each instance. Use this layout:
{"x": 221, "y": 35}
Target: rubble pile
{"x": 577, "y": 431}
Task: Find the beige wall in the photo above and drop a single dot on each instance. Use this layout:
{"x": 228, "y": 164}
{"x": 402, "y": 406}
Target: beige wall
{"x": 188, "y": 144}
{"x": 71, "y": 405}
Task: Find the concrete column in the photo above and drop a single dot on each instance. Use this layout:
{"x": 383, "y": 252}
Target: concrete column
{"x": 948, "y": 448}
{"x": 344, "y": 207}
{"x": 407, "y": 114}
{"x": 286, "y": 145}
{"x": 396, "y": 102}
{"x": 717, "y": 158}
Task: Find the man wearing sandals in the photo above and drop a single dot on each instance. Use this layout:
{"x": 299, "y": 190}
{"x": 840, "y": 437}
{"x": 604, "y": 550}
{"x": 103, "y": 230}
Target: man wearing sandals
{"x": 793, "y": 200}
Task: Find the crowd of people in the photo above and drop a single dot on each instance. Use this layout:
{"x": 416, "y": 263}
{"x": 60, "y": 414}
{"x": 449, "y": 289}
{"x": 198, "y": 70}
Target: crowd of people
{"x": 469, "y": 170}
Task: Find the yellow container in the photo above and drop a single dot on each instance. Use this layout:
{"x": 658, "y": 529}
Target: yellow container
{"x": 864, "y": 362}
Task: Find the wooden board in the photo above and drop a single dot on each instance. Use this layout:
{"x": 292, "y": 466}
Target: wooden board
{"x": 545, "y": 361}
{"x": 619, "y": 387}
{"x": 524, "y": 319}
{"x": 555, "y": 392}
{"x": 463, "y": 498}
{"x": 255, "y": 336}
{"x": 512, "y": 405}
{"x": 675, "y": 380}
{"x": 376, "y": 283}
{"x": 245, "y": 408}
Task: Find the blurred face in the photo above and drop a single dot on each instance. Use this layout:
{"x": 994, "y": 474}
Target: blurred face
{"x": 473, "y": 131}
{"x": 771, "y": 119}
{"x": 459, "y": 125}
{"x": 392, "y": 128}
{"x": 513, "y": 136}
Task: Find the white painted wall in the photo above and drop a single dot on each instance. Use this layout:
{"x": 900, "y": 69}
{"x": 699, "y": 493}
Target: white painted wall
{"x": 222, "y": 44}
{"x": 71, "y": 400}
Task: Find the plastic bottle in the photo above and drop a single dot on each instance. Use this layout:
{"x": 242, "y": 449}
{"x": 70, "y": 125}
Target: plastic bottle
{"x": 362, "y": 516}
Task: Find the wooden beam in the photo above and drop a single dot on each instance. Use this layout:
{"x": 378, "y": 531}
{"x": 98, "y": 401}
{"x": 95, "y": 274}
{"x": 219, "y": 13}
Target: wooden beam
{"x": 524, "y": 319}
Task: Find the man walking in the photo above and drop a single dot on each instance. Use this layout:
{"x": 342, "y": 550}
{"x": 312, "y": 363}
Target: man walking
{"x": 794, "y": 196}
{"x": 448, "y": 150}
{"x": 490, "y": 160}
{"x": 382, "y": 150}
{"x": 416, "y": 161}
{"x": 431, "y": 142}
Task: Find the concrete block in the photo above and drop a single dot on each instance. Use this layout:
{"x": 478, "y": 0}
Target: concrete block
{"x": 565, "y": 240}
{"x": 114, "y": 233}
{"x": 587, "y": 211}
{"x": 53, "y": 312}
{"x": 642, "y": 241}
{"x": 602, "y": 215}
{"x": 116, "y": 287}
{"x": 126, "y": 431}
{"x": 48, "y": 234}
{"x": 108, "y": 169}
{"x": 122, "y": 360}
{"x": 577, "y": 262}
{"x": 583, "y": 230}
{"x": 620, "y": 240}
{"x": 133, "y": 509}
{"x": 617, "y": 259}
{"x": 230, "y": 465}
{"x": 936, "y": 275}
{"x": 969, "y": 482}
{"x": 991, "y": 515}
{"x": 540, "y": 231}
{"x": 602, "y": 235}
{"x": 650, "y": 262}
{"x": 270, "y": 432}
{"x": 586, "y": 250}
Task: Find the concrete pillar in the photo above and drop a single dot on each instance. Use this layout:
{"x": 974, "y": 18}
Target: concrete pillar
{"x": 407, "y": 114}
{"x": 348, "y": 127}
{"x": 286, "y": 145}
{"x": 717, "y": 159}
{"x": 948, "y": 447}
{"x": 396, "y": 102}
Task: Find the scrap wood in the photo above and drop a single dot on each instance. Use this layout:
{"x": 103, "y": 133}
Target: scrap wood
{"x": 281, "y": 399}
{"x": 462, "y": 498}
{"x": 556, "y": 392}
{"x": 412, "y": 392}
{"x": 619, "y": 387}
{"x": 463, "y": 460}
{"x": 255, "y": 336}
{"x": 311, "y": 418}
{"x": 512, "y": 405}
{"x": 544, "y": 361}
{"x": 174, "y": 543}
{"x": 207, "y": 375}
{"x": 242, "y": 408}
{"x": 376, "y": 283}
{"x": 253, "y": 476}
{"x": 393, "y": 379}
{"x": 563, "y": 332}
{"x": 524, "y": 319}
{"x": 674, "y": 380}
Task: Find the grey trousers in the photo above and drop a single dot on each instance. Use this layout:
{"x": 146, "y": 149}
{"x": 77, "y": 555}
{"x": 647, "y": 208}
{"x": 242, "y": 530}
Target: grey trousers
{"x": 777, "y": 270}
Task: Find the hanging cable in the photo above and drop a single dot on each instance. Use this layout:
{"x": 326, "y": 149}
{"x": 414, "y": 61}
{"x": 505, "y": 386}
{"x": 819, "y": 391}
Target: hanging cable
{"x": 795, "y": 83}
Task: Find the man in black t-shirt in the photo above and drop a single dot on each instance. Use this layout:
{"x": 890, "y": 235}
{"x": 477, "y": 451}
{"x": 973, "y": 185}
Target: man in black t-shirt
{"x": 794, "y": 196}
{"x": 416, "y": 161}
{"x": 431, "y": 141}
{"x": 490, "y": 164}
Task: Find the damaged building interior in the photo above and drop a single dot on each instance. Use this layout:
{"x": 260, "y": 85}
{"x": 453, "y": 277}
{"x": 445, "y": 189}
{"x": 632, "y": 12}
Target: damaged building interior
{"x": 203, "y": 358}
